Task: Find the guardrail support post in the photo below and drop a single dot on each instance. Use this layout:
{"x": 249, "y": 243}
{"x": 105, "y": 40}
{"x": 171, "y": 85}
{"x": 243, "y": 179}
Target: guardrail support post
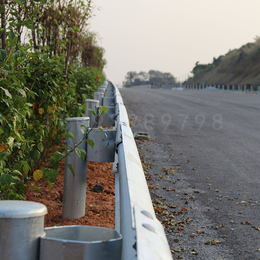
{"x": 21, "y": 226}
{"x": 99, "y": 96}
{"x": 74, "y": 195}
{"x": 238, "y": 88}
{"x": 251, "y": 89}
{"x": 92, "y": 104}
{"x": 245, "y": 89}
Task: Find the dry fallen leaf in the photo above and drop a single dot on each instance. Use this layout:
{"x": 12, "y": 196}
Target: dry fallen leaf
{"x": 180, "y": 228}
{"x": 212, "y": 242}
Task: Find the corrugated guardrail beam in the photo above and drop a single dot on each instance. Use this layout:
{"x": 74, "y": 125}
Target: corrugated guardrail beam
{"x": 143, "y": 235}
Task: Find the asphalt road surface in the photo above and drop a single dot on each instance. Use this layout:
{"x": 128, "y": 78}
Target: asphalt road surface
{"x": 203, "y": 169}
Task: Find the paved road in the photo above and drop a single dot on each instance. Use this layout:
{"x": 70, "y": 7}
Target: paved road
{"x": 205, "y": 162}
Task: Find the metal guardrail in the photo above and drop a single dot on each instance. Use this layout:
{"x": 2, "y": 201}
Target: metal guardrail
{"x": 229, "y": 88}
{"x": 143, "y": 235}
{"x": 138, "y": 235}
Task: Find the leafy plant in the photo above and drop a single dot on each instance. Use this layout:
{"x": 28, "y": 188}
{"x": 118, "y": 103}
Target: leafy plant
{"x": 42, "y": 82}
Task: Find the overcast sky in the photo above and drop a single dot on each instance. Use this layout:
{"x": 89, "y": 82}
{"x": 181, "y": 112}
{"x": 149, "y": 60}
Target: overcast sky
{"x": 170, "y": 35}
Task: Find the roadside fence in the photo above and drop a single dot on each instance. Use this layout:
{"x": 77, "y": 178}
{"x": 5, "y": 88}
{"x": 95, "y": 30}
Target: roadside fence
{"x": 224, "y": 88}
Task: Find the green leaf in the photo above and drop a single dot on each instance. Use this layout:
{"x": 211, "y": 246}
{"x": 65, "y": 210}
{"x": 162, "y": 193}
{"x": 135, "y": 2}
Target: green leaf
{"x": 3, "y": 54}
{"x": 21, "y": 48}
{"x": 68, "y": 134}
{"x": 90, "y": 142}
{"x": 21, "y": 91}
{"x": 81, "y": 153}
{"x": 92, "y": 111}
{"x": 16, "y": 180}
{"x": 103, "y": 132}
{"x": 71, "y": 168}
{"x": 17, "y": 172}
{"x": 52, "y": 175}
{"x": 11, "y": 35}
{"x": 40, "y": 146}
{"x": 35, "y": 187}
{"x": 37, "y": 154}
{"x": 70, "y": 30}
{"x": 5, "y": 179}
{"x": 49, "y": 184}
{"x": 18, "y": 2}
{"x": 58, "y": 156}
{"x": 103, "y": 110}
{"x": 15, "y": 40}
{"x": 6, "y": 92}
{"x": 86, "y": 127}
{"x": 26, "y": 166}
{"x": 2, "y": 155}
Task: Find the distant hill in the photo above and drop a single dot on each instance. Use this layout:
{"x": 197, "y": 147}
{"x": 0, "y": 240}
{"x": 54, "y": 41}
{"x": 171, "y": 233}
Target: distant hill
{"x": 239, "y": 66}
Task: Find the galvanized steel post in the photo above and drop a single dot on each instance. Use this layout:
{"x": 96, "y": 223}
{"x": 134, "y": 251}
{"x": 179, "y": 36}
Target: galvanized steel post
{"x": 245, "y": 89}
{"x": 74, "y": 195}
{"x": 91, "y": 104}
{"x": 101, "y": 90}
{"x": 21, "y": 226}
{"x": 251, "y": 89}
{"x": 99, "y": 96}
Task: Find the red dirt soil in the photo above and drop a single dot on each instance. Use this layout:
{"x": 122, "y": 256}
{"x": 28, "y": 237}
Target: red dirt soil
{"x": 100, "y": 207}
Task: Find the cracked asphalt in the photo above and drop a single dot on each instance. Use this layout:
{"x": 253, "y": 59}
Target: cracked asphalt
{"x": 202, "y": 169}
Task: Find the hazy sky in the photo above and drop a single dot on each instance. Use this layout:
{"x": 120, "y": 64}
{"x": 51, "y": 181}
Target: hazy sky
{"x": 170, "y": 35}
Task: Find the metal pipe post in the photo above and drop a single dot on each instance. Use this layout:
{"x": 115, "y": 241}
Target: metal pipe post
{"x": 21, "y": 226}
{"x": 101, "y": 90}
{"x": 99, "y": 96}
{"x": 251, "y": 89}
{"x": 74, "y": 195}
{"x": 91, "y": 104}
{"x": 245, "y": 89}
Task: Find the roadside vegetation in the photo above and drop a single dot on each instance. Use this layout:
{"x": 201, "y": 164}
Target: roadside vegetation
{"x": 49, "y": 64}
{"x": 239, "y": 66}
{"x": 153, "y": 77}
